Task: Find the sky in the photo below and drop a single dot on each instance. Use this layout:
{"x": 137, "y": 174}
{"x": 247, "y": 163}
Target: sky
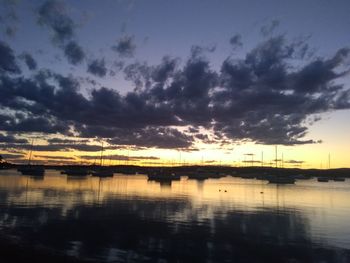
{"x": 175, "y": 82}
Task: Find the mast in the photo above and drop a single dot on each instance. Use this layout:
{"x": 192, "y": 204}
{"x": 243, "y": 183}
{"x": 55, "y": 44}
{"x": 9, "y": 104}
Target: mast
{"x": 30, "y": 152}
{"x": 101, "y": 154}
{"x": 276, "y": 155}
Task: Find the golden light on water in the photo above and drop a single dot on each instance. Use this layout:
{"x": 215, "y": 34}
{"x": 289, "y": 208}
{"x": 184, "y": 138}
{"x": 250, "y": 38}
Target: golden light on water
{"x": 213, "y": 191}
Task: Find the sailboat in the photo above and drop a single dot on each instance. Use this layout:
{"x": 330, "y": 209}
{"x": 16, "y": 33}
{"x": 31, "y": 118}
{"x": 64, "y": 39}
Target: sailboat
{"x": 29, "y": 169}
{"x": 279, "y": 178}
{"x": 101, "y": 171}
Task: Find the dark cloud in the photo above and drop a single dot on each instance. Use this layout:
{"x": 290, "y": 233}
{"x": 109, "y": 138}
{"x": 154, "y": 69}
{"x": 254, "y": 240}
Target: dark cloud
{"x": 125, "y": 46}
{"x": 166, "y": 138}
{"x": 54, "y": 147}
{"x": 65, "y": 141}
{"x": 11, "y": 156}
{"x": 117, "y": 157}
{"x": 11, "y": 139}
{"x": 199, "y": 51}
{"x": 8, "y": 17}
{"x": 268, "y": 29}
{"x": 294, "y": 162}
{"x": 53, "y": 15}
{"x": 139, "y": 73}
{"x": 53, "y": 157}
{"x": 262, "y": 97}
{"x": 23, "y": 124}
{"x": 97, "y": 67}
{"x": 29, "y": 60}
{"x": 165, "y": 70}
{"x": 7, "y": 59}
{"x": 74, "y": 53}
{"x": 236, "y": 41}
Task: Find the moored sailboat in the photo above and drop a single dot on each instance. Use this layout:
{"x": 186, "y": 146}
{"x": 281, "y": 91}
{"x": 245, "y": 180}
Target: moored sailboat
{"x": 102, "y": 171}
{"x": 29, "y": 169}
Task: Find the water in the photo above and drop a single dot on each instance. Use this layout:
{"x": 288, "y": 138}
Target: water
{"x": 130, "y": 219}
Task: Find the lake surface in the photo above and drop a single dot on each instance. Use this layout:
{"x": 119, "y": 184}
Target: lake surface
{"x": 130, "y": 219}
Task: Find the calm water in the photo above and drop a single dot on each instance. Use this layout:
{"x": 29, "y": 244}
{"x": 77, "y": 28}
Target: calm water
{"x": 127, "y": 218}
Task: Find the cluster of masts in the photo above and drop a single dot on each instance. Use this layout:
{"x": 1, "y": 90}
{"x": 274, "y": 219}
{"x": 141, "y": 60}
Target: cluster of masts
{"x": 248, "y": 160}
{"x": 172, "y": 174}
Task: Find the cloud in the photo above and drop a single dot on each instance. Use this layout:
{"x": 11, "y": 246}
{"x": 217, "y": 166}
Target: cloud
{"x": 23, "y": 124}
{"x": 97, "y": 67}
{"x": 9, "y": 17}
{"x": 117, "y": 157}
{"x": 29, "y": 60}
{"x": 266, "y": 100}
{"x": 54, "y": 147}
{"x": 11, "y": 156}
{"x": 11, "y": 139}
{"x": 53, "y": 15}
{"x": 125, "y": 46}
{"x": 264, "y": 97}
{"x": 236, "y": 41}
{"x": 294, "y": 162}
{"x": 74, "y": 53}
{"x": 269, "y": 28}
{"x": 166, "y": 138}
{"x": 53, "y": 157}
{"x": 8, "y": 61}
{"x": 65, "y": 141}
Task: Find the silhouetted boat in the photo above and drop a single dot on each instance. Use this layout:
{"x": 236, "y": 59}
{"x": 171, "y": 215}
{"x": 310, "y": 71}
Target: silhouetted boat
{"x": 162, "y": 175}
{"x": 32, "y": 170}
{"x": 76, "y": 172}
{"x": 102, "y": 171}
{"x": 339, "y": 179}
{"x": 323, "y": 179}
{"x": 278, "y": 179}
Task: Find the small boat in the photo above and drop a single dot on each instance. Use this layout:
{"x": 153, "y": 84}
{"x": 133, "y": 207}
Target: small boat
{"x": 29, "y": 169}
{"x": 102, "y": 173}
{"x": 339, "y": 179}
{"x": 32, "y": 170}
{"x": 281, "y": 180}
{"x": 161, "y": 175}
{"x": 323, "y": 179}
{"x": 76, "y": 172}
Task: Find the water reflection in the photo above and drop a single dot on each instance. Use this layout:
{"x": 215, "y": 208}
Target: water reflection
{"x": 128, "y": 218}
